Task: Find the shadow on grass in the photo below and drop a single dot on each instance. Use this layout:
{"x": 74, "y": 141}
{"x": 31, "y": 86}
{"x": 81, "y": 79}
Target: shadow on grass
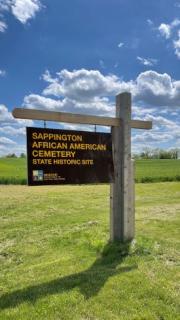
{"x": 89, "y": 281}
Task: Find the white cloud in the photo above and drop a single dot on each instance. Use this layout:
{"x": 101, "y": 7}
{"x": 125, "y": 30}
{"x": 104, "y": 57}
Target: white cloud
{"x": 5, "y": 115}
{"x": 13, "y": 148}
{"x": 78, "y": 127}
{"x": 154, "y": 140}
{"x": 162, "y": 123}
{"x": 12, "y": 131}
{"x": 7, "y": 119}
{"x": 10, "y": 127}
{"x": 147, "y": 61}
{"x": 3, "y": 26}
{"x": 90, "y": 87}
{"x": 98, "y": 105}
{"x": 2, "y": 73}
{"x": 4, "y": 141}
{"x": 175, "y": 23}
{"x": 139, "y": 111}
{"x": 84, "y": 85}
{"x": 5, "y": 5}
{"x": 24, "y": 10}
{"x": 177, "y": 46}
{"x": 48, "y": 78}
{"x": 150, "y": 22}
{"x": 165, "y": 131}
{"x": 171, "y": 32}
{"x": 151, "y": 137}
{"x": 91, "y": 92}
{"x": 121, "y": 44}
{"x": 157, "y": 89}
{"x": 165, "y": 30}
{"x": 35, "y": 101}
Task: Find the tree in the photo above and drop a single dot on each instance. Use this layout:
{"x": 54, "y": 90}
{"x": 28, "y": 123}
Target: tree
{"x": 11, "y": 155}
{"x": 22, "y": 155}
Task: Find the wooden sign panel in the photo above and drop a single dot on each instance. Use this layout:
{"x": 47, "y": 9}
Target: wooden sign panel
{"x": 68, "y": 157}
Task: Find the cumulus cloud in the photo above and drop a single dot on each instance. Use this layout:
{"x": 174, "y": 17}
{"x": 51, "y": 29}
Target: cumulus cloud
{"x": 22, "y": 10}
{"x": 91, "y": 92}
{"x": 35, "y": 101}
{"x": 165, "y": 30}
{"x": 172, "y": 32}
{"x": 84, "y": 85}
{"x": 157, "y": 89}
{"x": 6, "y": 118}
{"x": 10, "y": 126}
{"x": 99, "y": 106}
{"x": 90, "y": 87}
{"x": 5, "y": 115}
{"x": 147, "y": 61}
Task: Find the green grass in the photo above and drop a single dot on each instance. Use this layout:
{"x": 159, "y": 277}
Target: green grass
{"x": 14, "y": 171}
{"x": 56, "y": 262}
{"x": 157, "y": 170}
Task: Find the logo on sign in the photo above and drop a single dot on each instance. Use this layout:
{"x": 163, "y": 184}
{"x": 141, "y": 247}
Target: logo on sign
{"x": 37, "y": 175}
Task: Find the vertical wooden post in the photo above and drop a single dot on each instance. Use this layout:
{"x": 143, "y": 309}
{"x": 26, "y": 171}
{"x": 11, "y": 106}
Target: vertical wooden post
{"x": 122, "y": 190}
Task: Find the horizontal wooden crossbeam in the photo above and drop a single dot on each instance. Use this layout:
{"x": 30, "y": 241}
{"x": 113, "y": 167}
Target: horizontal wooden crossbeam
{"x": 35, "y": 114}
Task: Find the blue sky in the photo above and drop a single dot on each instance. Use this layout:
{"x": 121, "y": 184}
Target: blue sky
{"x": 75, "y": 56}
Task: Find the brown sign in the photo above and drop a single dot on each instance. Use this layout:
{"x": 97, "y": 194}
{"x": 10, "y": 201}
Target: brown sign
{"x": 68, "y": 157}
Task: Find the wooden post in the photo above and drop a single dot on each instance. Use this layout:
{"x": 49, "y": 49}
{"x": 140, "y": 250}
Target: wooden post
{"x": 122, "y": 190}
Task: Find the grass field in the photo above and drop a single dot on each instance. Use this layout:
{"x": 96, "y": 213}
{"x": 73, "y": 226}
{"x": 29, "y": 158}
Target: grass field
{"x": 56, "y": 262}
{"x": 13, "y": 171}
{"x": 157, "y": 170}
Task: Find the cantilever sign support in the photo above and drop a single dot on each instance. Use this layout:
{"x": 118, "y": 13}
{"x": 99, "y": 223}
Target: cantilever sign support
{"x": 122, "y": 200}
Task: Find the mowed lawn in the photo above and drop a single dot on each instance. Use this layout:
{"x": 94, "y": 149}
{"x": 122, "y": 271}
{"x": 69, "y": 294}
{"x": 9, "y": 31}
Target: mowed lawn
{"x": 56, "y": 262}
{"x": 14, "y": 170}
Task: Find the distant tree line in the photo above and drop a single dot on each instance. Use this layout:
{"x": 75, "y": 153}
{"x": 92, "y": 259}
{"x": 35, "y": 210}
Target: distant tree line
{"x": 13, "y": 155}
{"x": 148, "y": 153}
